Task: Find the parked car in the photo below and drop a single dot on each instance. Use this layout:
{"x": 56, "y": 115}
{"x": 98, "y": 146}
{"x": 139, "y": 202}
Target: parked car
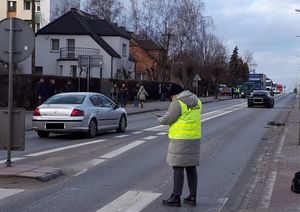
{"x": 78, "y": 112}
{"x": 224, "y": 90}
{"x": 261, "y": 97}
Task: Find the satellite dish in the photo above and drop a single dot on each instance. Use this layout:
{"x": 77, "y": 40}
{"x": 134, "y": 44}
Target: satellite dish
{"x": 23, "y": 40}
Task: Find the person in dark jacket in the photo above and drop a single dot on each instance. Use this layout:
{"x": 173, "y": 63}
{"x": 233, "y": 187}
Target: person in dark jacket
{"x": 184, "y": 120}
{"x": 41, "y": 91}
{"x": 69, "y": 87}
{"x": 123, "y": 95}
{"x": 135, "y": 95}
{"x": 52, "y": 90}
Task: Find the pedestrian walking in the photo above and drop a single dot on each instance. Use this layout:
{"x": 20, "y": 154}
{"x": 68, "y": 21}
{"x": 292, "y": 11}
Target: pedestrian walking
{"x": 114, "y": 93}
{"x": 69, "y": 87}
{"x": 184, "y": 120}
{"x": 135, "y": 95}
{"x": 142, "y": 95}
{"x": 52, "y": 90}
{"x": 232, "y": 92}
{"x": 123, "y": 95}
{"x": 41, "y": 91}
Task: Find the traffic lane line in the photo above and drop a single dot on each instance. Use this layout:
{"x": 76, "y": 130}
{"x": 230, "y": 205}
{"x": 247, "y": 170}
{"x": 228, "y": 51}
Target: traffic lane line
{"x": 65, "y": 148}
{"x": 122, "y": 149}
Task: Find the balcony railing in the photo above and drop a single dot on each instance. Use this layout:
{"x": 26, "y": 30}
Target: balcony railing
{"x": 68, "y": 53}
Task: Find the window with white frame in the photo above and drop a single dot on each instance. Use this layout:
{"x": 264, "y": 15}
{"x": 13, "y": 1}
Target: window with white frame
{"x": 54, "y": 45}
{"x": 37, "y": 6}
{"x": 27, "y": 5}
{"x": 124, "y": 50}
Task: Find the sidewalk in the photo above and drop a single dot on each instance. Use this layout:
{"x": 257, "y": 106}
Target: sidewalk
{"x": 148, "y": 107}
{"x": 270, "y": 190}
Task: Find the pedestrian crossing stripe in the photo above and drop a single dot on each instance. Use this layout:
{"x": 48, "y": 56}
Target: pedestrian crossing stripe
{"x": 9, "y": 192}
{"x": 131, "y": 201}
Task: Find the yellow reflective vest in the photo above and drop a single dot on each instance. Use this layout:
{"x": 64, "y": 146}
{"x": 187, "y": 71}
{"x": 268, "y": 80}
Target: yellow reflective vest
{"x": 188, "y": 125}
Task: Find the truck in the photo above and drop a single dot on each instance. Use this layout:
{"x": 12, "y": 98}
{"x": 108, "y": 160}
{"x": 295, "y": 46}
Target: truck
{"x": 255, "y": 82}
{"x": 259, "y": 80}
{"x": 269, "y": 83}
{"x": 279, "y": 88}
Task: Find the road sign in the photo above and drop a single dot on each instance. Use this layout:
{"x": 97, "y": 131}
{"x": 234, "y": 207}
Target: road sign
{"x": 23, "y": 40}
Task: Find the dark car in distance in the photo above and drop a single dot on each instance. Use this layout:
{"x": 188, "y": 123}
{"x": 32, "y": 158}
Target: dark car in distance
{"x": 261, "y": 98}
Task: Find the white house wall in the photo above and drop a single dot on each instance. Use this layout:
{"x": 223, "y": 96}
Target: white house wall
{"x": 48, "y": 59}
{"x": 117, "y": 43}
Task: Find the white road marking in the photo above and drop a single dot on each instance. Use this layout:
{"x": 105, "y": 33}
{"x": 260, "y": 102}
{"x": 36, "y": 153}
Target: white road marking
{"x": 13, "y": 159}
{"x": 136, "y": 132}
{"x": 95, "y": 162}
{"x": 266, "y": 198}
{"x": 81, "y": 172}
{"x": 122, "y": 149}
{"x": 9, "y": 192}
{"x": 121, "y": 136}
{"x": 132, "y": 201}
{"x": 218, "y": 114}
{"x": 149, "y": 137}
{"x": 64, "y": 148}
{"x": 222, "y": 201}
{"x": 154, "y": 128}
{"x": 162, "y": 133}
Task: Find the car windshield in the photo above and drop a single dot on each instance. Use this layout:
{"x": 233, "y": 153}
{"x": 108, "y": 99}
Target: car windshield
{"x": 66, "y": 99}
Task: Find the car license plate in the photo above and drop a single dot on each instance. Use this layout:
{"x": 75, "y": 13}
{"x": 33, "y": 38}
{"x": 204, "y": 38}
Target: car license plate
{"x": 258, "y": 100}
{"x": 55, "y": 126}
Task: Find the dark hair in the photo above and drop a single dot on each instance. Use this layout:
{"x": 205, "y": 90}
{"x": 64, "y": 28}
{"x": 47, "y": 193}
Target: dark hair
{"x": 175, "y": 89}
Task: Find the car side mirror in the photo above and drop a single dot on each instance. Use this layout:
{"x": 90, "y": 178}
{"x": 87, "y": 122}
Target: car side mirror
{"x": 116, "y": 106}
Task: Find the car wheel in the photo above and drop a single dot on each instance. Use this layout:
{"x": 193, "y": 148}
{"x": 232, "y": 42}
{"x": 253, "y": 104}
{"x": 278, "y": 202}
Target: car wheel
{"x": 43, "y": 134}
{"x": 93, "y": 129}
{"x": 250, "y": 105}
{"x": 122, "y": 124}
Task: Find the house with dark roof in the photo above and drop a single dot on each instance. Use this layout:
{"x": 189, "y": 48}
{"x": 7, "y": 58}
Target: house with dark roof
{"x": 60, "y": 43}
{"x": 149, "y": 56}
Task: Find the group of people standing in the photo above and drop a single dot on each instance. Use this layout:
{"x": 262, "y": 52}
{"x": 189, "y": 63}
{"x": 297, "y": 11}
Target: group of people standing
{"x": 44, "y": 91}
{"x": 139, "y": 94}
{"x": 235, "y": 92}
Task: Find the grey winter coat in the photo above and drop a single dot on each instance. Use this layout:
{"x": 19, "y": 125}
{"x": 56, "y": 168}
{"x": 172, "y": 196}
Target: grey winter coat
{"x": 185, "y": 152}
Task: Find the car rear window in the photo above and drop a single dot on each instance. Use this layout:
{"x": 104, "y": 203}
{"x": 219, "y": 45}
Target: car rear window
{"x": 72, "y": 99}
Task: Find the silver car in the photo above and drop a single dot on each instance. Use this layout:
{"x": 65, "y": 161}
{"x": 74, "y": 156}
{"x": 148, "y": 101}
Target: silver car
{"x": 78, "y": 112}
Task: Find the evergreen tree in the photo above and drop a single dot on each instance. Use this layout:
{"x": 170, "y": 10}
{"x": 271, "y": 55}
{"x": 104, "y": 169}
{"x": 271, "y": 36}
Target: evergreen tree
{"x": 234, "y": 67}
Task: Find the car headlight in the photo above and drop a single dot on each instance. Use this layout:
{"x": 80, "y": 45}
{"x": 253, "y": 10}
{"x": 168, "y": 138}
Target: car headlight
{"x": 242, "y": 93}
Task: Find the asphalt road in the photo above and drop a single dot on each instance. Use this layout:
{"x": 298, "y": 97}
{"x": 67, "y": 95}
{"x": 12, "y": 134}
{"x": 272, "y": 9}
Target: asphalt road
{"x": 128, "y": 172}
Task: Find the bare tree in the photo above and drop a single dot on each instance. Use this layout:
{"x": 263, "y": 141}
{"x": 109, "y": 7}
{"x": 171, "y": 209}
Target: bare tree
{"x": 107, "y": 9}
{"x": 65, "y": 6}
{"x": 249, "y": 59}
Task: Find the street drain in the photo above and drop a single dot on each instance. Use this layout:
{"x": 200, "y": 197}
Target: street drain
{"x": 275, "y": 123}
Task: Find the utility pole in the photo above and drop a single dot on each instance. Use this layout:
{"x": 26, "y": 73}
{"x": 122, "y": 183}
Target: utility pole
{"x": 33, "y": 28}
{"x": 165, "y": 62}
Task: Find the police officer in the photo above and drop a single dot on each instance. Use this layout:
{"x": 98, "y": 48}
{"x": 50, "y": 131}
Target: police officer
{"x": 184, "y": 120}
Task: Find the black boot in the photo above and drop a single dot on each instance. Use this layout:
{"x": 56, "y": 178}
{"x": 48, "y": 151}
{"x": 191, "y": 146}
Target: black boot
{"x": 190, "y": 200}
{"x": 174, "y": 200}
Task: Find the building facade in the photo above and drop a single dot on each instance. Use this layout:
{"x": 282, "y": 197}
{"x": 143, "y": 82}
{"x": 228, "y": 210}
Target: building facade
{"x": 45, "y": 10}
{"x": 149, "y": 56}
{"x": 60, "y": 43}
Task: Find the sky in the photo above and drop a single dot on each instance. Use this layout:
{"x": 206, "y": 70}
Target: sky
{"x": 267, "y": 28}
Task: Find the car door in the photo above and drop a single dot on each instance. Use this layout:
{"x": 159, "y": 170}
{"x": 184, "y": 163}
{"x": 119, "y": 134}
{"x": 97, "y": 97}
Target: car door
{"x": 100, "y": 112}
{"x": 113, "y": 115}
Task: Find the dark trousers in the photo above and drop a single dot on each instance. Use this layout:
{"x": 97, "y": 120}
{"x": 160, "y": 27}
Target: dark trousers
{"x": 192, "y": 179}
